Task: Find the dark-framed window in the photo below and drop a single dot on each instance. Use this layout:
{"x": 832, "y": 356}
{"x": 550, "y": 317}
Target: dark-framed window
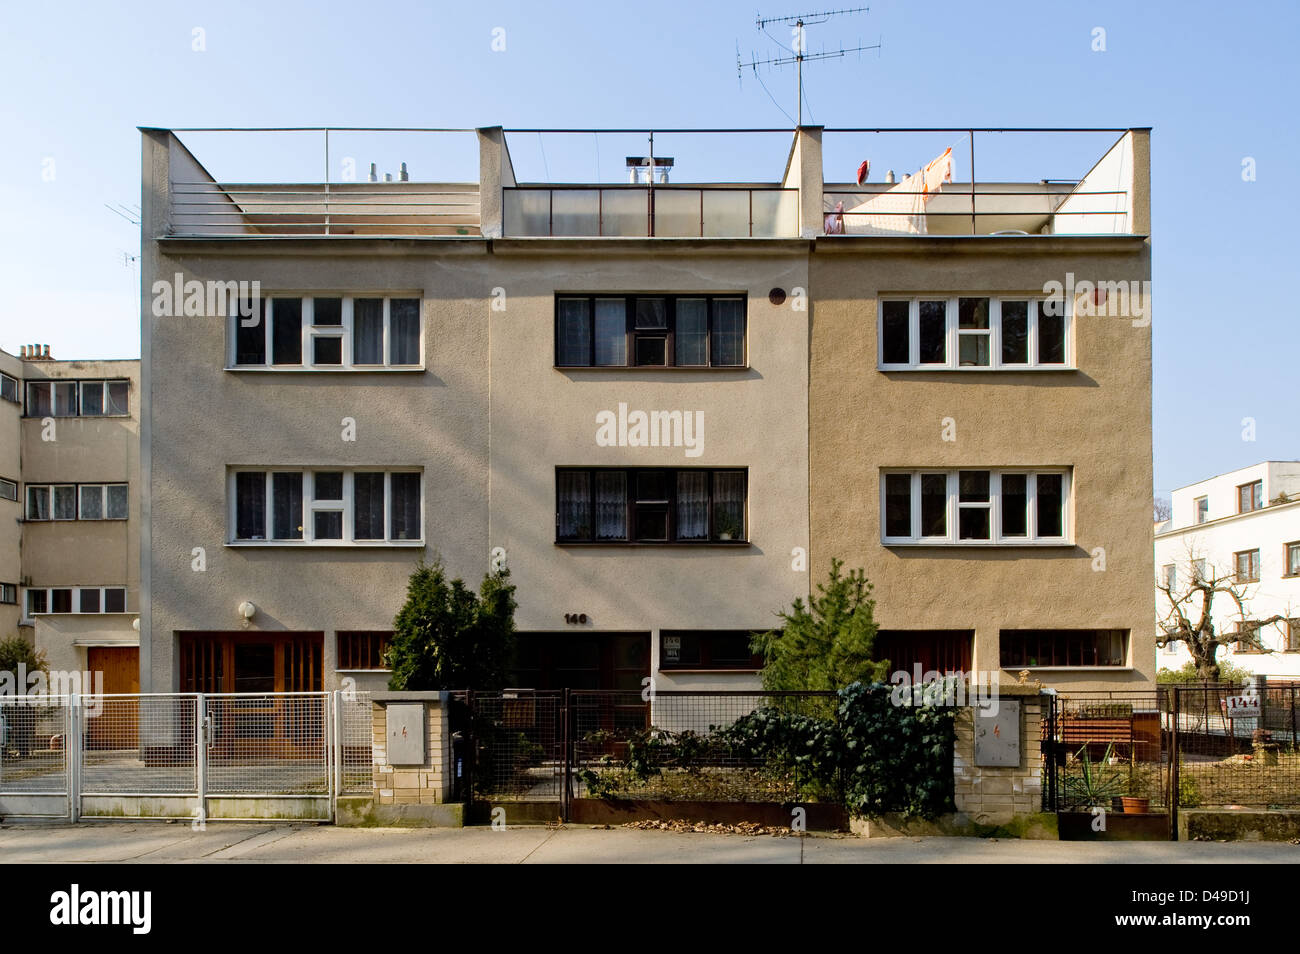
{"x": 618, "y": 505}
{"x": 1292, "y": 564}
{"x": 363, "y": 649}
{"x": 75, "y": 397}
{"x": 707, "y": 649}
{"x": 9, "y": 388}
{"x": 650, "y": 331}
{"x": 1246, "y": 564}
{"x": 1063, "y": 647}
{"x": 1249, "y": 638}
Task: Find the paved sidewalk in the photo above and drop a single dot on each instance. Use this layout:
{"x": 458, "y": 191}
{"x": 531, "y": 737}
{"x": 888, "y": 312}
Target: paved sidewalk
{"x": 308, "y": 844}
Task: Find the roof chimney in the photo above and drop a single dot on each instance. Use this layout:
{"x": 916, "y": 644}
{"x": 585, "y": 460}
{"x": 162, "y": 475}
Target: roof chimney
{"x": 404, "y": 175}
{"x": 374, "y": 176}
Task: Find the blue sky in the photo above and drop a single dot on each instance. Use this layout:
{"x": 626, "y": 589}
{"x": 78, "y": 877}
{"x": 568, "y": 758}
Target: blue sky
{"x": 1217, "y": 83}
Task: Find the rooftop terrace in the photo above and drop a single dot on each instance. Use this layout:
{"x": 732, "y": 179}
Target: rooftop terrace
{"x": 626, "y": 183}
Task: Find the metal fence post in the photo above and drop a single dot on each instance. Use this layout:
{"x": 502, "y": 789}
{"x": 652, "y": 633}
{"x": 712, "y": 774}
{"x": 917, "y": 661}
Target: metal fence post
{"x": 567, "y": 761}
{"x": 1293, "y": 738}
{"x": 1173, "y": 763}
{"x": 201, "y": 756}
{"x": 72, "y": 745}
{"x": 335, "y": 717}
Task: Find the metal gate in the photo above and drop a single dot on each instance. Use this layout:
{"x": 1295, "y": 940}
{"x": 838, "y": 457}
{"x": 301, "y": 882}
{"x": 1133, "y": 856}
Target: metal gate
{"x": 283, "y": 756}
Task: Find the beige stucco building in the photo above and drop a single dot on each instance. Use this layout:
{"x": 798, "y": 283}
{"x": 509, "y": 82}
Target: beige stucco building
{"x": 664, "y": 407}
{"x": 70, "y": 550}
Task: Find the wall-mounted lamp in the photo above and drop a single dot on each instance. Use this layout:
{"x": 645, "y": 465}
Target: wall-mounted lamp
{"x": 247, "y": 610}
{"x": 135, "y": 624}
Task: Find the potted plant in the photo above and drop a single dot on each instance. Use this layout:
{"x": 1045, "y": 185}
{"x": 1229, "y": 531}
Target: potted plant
{"x": 728, "y": 527}
{"x": 1097, "y": 784}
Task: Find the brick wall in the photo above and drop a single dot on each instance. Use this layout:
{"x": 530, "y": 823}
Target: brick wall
{"x": 991, "y": 795}
{"x": 426, "y": 784}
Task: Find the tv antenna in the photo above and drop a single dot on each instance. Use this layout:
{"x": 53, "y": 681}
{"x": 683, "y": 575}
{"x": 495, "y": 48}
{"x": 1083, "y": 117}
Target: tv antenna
{"x": 798, "y": 48}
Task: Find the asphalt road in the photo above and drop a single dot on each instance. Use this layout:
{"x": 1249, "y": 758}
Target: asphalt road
{"x": 324, "y": 844}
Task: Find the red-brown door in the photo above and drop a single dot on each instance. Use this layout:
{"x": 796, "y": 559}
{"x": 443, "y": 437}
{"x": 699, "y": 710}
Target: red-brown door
{"x": 114, "y": 725}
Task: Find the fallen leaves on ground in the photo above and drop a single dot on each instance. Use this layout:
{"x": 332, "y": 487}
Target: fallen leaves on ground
{"x": 717, "y": 828}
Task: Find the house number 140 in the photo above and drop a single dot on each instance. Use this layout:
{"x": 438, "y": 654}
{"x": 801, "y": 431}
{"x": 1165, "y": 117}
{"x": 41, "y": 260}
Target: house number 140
{"x": 575, "y": 617}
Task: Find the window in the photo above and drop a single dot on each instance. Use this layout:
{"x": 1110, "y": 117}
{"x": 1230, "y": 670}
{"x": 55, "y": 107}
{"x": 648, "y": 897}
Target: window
{"x": 972, "y": 332}
{"x": 1198, "y": 570}
{"x": 649, "y": 505}
{"x": 973, "y": 507}
{"x": 338, "y": 332}
{"x": 1292, "y": 559}
{"x": 77, "y": 502}
{"x": 8, "y": 489}
{"x": 8, "y": 593}
{"x": 103, "y": 502}
{"x": 103, "y": 398}
{"x": 363, "y": 650}
{"x": 1250, "y": 497}
{"x": 1169, "y": 576}
{"x": 1248, "y": 637}
{"x": 707, "y": 649}
{"x": 1022, "y": 648}
{"x": 1292, "y": 636}
{"x": 326, "y": 507}
{"x": 1202, "y": 507}
{"x": 9, "y": 388}
{"x": 77, "y": 398}
{"x": 650, "y": 331}
{"x": 76, "y": 599}
{"x": 1247, "y": 565}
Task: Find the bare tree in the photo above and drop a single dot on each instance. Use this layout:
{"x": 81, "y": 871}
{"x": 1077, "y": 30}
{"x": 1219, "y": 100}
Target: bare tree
{"x": 1190, "y": 618}
{"x": 1163, "y": 509}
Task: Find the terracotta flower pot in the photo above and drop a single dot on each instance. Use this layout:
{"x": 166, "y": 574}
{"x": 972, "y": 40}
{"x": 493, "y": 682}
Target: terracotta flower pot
{"x": 1135, "y": 806}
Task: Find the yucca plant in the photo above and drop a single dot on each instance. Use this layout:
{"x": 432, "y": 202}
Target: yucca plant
{"x": 1097, "y": 782}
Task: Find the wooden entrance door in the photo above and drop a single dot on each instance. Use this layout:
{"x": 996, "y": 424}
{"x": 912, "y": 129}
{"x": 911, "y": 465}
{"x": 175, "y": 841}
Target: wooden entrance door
{"x": 114, "y": 725}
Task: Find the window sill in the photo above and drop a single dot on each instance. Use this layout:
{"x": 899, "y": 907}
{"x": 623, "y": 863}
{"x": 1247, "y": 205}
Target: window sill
{"x": 670, "y": 671}
{"x": 982, "y": 545}
{"x": 363, "y": 671}
{"x": 295, "y": 369}
{"x": 1070, "y": 668}
{"x": 1003, "y": 369}
{"x": 653, "y": 544}
{"x": 77, "y": 417}
{"x": 324, "y": 544}
{"x": 685, "y": 369}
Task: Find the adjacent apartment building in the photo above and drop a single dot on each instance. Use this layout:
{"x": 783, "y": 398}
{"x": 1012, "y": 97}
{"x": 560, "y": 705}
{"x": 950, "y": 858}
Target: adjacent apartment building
{"x": 69, "y": 484}
{"x": 1244, "y": 526}
{"x": 665, "y": 407}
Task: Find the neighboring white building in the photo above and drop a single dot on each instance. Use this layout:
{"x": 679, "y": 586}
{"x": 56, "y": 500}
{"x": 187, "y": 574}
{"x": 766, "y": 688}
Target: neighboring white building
{"x": 1247, "y": 523}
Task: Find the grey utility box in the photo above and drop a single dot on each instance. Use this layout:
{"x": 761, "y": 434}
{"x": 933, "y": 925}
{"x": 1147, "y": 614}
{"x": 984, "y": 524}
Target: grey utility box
{"x": 405, "y": 733}
{"x": 997, "y": 737}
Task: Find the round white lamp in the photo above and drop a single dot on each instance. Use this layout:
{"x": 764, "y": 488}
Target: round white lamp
{"x": 247, "y": 609}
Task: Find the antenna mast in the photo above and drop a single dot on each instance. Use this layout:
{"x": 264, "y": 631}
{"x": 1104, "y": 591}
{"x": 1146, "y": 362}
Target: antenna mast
{"x": 799, "y": 48}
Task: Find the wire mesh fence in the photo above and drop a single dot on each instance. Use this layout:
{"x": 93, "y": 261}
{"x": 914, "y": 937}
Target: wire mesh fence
{"x": 355, "y": 720}
{"x": 1234, "y": 755}
{"x": 1197, "y": 745}
{"x": 548, "y": 745}
{"x": 33, "y": 745}
{"x": 272, "y": 743}
{"x": 1107, "y": 746}
{"x": 140, "y": 744}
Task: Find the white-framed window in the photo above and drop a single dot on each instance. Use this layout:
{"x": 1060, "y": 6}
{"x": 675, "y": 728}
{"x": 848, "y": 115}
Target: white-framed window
{"x": 327, "y": 506}
{"x": 973, "y": 332}
{"x": 8, "y": 593}
{"x": 74, "y": 599}
{"x": 328, "y": 333}
{"x": 1169, "y": 576}
{"x": 51, "y": 502}
{"x": 103, "y": 502}
{"x": 9, "y": 388}
{"x": 77, "y": 502}
{"x": 975, "y": 507}
{"x": 8, "y": 489}
{"x": 78, "y": 398}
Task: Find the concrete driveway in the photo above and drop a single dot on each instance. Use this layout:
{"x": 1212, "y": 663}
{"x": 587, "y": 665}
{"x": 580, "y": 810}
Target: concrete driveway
{"x": 128, "y": 842}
